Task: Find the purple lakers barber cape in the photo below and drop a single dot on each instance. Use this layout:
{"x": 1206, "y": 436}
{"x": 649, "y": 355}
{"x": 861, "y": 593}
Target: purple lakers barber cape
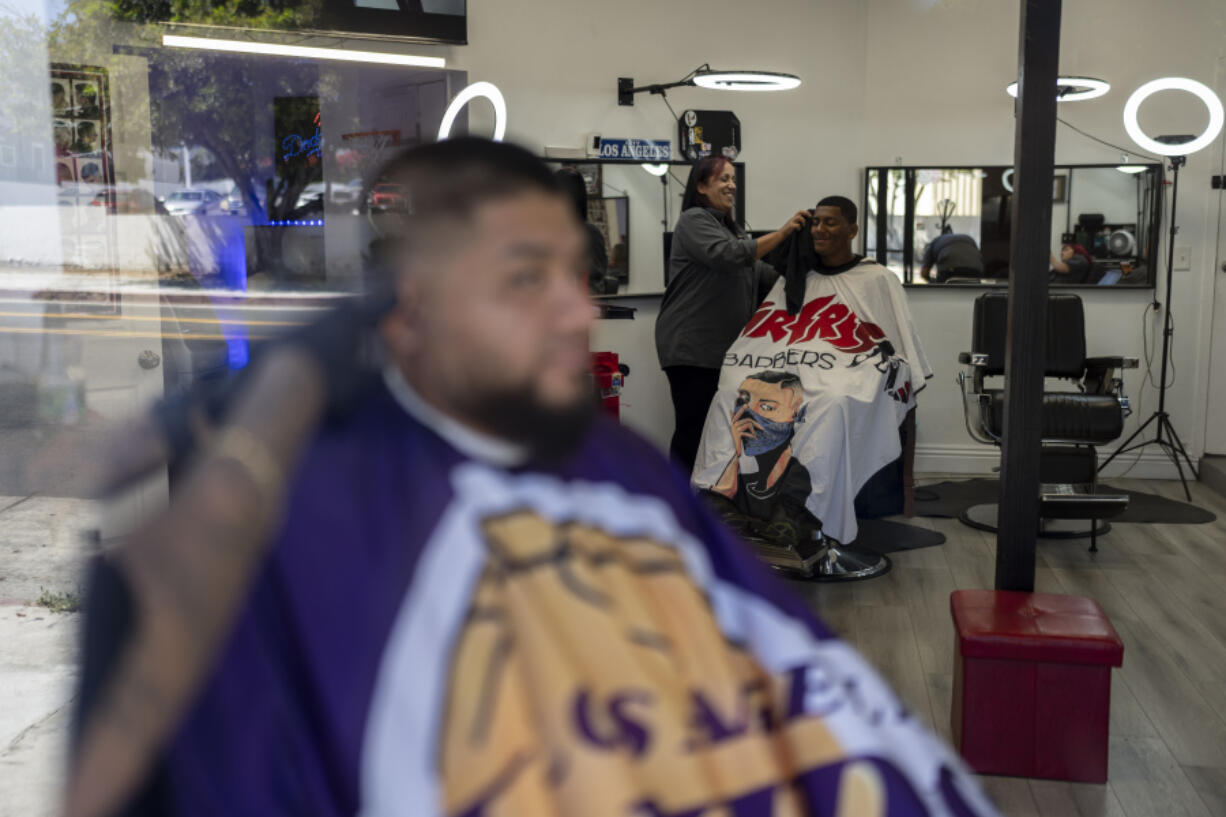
{"x": 441, "y": 630}
{"x": 809, "y": 405}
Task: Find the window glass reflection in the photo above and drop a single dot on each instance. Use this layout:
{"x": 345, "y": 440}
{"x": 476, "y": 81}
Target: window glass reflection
{"x": 164, "y": 211}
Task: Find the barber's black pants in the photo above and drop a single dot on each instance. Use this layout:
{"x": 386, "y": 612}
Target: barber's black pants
{"x": 693, "y": 388}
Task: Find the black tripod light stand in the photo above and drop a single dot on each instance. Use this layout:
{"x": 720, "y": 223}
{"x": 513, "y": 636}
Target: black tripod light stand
{"x": 1165, "y": 436}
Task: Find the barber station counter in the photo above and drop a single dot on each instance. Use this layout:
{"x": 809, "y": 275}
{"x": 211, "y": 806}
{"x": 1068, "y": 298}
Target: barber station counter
{"x": 614, "y": 307}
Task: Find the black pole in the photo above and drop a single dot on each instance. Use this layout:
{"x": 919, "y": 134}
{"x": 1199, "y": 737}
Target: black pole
{"x": 1034, "y": 153}
{"x": 1167, "y": 329}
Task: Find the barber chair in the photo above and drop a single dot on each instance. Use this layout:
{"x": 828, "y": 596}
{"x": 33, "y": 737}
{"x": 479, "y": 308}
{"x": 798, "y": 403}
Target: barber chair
{"x": 1074, "y": 422}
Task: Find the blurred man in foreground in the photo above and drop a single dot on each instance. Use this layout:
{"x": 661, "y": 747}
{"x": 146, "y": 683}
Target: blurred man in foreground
{"x": 481, "y": 600}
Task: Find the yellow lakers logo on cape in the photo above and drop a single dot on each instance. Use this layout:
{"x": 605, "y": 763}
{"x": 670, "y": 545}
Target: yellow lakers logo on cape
{"x": 591, "y": 678}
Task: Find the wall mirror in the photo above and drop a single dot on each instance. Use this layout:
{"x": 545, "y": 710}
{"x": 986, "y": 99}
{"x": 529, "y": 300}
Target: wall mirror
{"x": 631, "y": 199}
{"x": 938, "y": 226}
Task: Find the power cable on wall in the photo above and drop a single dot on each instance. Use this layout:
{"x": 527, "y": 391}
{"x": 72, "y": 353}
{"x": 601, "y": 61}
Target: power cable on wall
{"x": 1125, "y": 151}
{"x": 1149, "y": 376}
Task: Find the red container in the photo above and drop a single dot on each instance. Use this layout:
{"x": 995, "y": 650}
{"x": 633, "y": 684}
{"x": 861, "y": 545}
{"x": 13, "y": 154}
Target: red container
{"x": 607, "y": 373}
{"x": 1032, "y": 684}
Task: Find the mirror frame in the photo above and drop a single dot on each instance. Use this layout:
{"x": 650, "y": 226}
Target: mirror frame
{"x": 909, "y": 251}
{"x": 739, "y": 166}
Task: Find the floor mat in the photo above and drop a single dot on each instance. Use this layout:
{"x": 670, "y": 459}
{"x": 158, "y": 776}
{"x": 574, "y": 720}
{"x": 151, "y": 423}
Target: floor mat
{"x": 886, "y": 536}
{"x": 948, "y": 499}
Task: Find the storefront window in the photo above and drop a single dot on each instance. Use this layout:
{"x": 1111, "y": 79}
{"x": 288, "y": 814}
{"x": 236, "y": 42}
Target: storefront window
{"x": 166, "y": 205}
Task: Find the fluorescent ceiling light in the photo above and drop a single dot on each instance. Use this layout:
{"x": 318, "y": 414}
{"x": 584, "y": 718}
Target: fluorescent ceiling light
{"x": 746, "y": 80}
{"x": 1207, "y": 96}
{"x": 1131, "y": 168}
{"x": 478, "y": 89}
{"x": 279, "y": 50}
{"x": 1075, "y": 89}
{"x": 655, "y": 170}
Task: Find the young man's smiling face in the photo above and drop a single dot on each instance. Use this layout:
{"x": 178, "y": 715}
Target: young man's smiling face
{"x": 832, "y": 235}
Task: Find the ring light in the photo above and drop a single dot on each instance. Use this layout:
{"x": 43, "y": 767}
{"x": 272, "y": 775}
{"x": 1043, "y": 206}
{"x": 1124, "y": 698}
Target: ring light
{"x": 655, "y": 170}
{"x": 1207, "y": 96}
{"x": 1080, "y": 88}
{"x": 482, "y": 89}
{"x": 746, "y": 80}
{"x": 1006, "y": 179}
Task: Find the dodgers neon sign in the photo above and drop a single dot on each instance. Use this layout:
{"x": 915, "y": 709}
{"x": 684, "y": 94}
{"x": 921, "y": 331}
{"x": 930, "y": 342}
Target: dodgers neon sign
{"x": 295, "y": 145}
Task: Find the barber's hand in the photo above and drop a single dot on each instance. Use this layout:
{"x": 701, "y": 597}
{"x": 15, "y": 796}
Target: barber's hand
{"x": 796, "y": 222}
{"x": 743, "y": 427}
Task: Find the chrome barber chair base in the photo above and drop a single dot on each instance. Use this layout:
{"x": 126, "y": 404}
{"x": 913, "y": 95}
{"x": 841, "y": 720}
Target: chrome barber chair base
{"x": 845, "y": 563}
{"x": 983, "y": 517}
{"x": 831, "y": 562}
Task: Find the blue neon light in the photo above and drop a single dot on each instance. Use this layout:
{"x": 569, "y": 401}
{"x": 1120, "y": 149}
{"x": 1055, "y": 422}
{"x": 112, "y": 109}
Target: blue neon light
{"x": 295, "y": 145}
{"x": 293, "y": 223}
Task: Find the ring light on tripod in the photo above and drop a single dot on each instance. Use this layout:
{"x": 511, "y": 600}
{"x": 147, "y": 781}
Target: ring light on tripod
{"x": 1165, "y": 435}
{"x": 1216, "y": 116}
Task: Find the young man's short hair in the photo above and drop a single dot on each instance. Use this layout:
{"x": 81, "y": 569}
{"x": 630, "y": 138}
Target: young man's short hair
{"x": 845, "y": 205}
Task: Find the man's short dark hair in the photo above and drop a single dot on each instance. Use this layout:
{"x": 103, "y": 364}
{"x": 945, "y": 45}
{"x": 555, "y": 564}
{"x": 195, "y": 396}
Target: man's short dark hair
{"x": 784, "y": 380}
{"x": 846, "y": 205}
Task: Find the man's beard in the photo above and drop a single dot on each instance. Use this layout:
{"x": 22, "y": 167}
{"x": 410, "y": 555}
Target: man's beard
{"x": 514, "y": 414}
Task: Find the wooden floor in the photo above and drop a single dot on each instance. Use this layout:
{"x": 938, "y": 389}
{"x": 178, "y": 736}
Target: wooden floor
{"x": 1164, "y": 587}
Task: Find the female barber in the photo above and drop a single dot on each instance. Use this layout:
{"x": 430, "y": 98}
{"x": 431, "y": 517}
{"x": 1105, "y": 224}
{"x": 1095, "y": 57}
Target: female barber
{"x": 713, "y": 286}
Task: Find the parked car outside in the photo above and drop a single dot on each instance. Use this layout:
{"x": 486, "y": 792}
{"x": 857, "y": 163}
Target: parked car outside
{"x": 193, "y": 202}
{"x": 388, "y": 196}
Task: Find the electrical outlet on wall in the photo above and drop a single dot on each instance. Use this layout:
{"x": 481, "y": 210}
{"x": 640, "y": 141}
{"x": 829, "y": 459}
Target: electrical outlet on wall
{"x": 1183, "y": 258}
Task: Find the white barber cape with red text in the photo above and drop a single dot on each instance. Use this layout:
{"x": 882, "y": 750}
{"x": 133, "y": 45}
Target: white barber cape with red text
{"x": 857, "y": 389}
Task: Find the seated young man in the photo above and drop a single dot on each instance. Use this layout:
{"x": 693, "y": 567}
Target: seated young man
{"x": 810, "y": 400}
{"x": 485, "y": 601}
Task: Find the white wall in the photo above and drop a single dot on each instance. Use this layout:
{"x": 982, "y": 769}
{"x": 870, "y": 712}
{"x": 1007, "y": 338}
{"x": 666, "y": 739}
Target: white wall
{"x": 920, "y": 81}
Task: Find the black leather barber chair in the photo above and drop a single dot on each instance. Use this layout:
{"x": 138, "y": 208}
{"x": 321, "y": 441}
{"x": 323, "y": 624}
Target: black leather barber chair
{"x": 1075, "y": 421}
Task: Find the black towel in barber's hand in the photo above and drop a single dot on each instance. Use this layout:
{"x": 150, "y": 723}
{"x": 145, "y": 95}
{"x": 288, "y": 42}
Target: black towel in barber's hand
{"x": 793, "y": 259}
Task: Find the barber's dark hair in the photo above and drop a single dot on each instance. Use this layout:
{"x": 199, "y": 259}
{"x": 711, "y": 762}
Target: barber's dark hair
{"x": 784, "y": 380}
{"x": 947, "y": 230}
{"x": 572, "y": 184}
{"x": 846, "y": 205}
{"x": 450, "y": 179}
{"x": 704, "y": 170}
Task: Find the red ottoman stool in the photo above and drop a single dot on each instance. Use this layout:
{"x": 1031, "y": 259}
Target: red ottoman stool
{"x": 1032, "y": 684}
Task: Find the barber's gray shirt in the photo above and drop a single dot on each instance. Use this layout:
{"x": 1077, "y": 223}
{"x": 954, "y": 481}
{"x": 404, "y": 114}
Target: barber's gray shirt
{"x": 712, "y": 290}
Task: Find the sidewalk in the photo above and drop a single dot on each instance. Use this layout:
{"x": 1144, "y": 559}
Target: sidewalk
{"x": 41, "y": 549}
